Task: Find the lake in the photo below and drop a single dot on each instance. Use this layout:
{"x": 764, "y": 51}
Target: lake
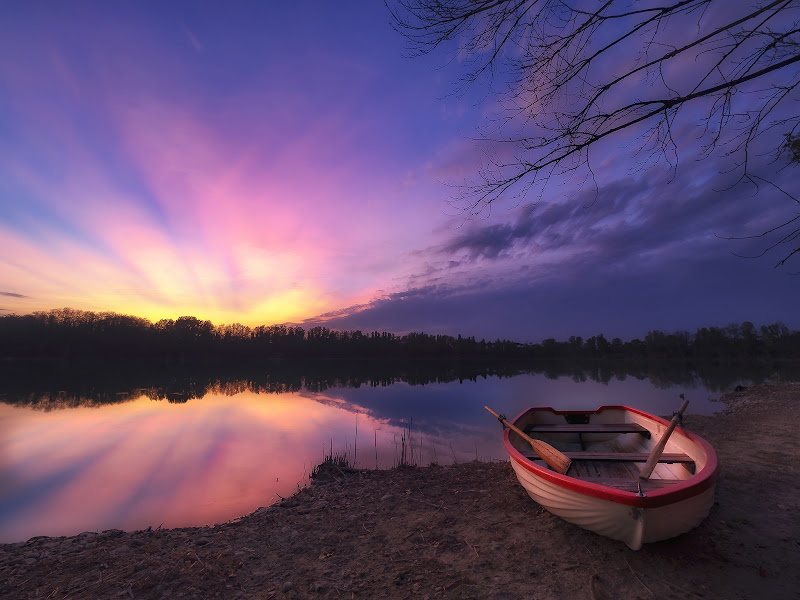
{"x": 76, "y": 455}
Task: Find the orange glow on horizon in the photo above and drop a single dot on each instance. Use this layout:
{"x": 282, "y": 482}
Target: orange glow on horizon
{"x": 220, "y": 237}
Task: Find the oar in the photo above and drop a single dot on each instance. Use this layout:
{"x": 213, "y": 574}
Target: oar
{"x": 655, "y": 453}
{"x": 550, "y": 455}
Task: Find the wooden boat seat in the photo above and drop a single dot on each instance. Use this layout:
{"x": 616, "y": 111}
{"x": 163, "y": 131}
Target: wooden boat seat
{"x": 666, "y": 457}
{"x": 588, "y": 428}
{"x": 632, "y": 485}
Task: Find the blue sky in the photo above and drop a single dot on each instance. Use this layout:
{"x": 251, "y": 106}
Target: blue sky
{"x": 265, "y": 163}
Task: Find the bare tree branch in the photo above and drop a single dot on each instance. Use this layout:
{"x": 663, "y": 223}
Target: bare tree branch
{"x": 569, "y": 75}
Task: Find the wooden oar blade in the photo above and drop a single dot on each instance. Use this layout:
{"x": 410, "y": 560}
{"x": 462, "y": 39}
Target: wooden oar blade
{"x": 557, "y": 461}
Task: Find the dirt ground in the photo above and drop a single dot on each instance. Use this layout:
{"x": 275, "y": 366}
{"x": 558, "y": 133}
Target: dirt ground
{"x": 467, "y": 531}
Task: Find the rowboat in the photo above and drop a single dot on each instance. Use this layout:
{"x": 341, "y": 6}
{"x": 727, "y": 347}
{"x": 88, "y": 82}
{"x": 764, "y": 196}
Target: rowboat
{"x": 603, "y": 489}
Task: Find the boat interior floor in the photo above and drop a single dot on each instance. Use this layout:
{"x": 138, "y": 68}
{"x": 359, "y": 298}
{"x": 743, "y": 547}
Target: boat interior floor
{"x": 614, "y": 462}
{"x": 620, "y": 474}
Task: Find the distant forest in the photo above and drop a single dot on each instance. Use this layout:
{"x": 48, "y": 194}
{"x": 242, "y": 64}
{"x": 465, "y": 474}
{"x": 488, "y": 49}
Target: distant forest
{"x": 74, "y": 334}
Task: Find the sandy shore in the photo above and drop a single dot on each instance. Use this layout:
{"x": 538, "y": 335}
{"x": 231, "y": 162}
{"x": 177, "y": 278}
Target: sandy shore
{"x": 467, "y": 531}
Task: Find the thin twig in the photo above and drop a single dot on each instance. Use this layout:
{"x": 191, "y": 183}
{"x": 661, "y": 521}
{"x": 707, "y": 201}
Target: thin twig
{"x": 679, "y": 588}
{"x": 637, "y": 578}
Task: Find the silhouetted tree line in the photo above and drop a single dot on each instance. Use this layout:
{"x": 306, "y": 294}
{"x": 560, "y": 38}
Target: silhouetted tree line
{"x": 69, "y": 333}
{"x": 730, "y": 343}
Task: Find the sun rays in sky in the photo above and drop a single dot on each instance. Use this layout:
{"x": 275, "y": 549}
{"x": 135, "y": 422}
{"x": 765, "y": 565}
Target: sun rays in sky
{"x": 265, "y": 164}
{"x": 144, "y": 176}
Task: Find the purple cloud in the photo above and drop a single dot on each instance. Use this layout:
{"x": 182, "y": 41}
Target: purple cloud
{"x": 642, "y": 253}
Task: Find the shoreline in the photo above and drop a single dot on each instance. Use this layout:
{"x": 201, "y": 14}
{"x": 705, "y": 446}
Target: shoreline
{"x": 462, "y": 531}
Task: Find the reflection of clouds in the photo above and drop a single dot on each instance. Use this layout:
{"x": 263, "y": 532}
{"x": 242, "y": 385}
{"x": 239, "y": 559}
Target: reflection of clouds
{"x": 144, "y": 463}
{"x": 47, "y": 490}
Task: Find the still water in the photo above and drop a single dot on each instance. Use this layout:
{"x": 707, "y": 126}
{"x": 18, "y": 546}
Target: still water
{"x": 73, "y": 466}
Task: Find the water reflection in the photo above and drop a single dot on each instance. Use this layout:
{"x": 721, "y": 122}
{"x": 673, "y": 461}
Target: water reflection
{"x": 146, "y": 463}
{"x": 197, "y": 450}
{"x": 56, "y": 385}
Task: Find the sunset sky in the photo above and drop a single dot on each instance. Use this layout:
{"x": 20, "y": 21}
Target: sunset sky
{"x": 265, "y": 162}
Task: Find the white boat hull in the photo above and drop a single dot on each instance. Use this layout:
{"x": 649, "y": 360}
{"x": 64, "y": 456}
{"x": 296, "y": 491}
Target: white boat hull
{"x": 629, "y": 524}
{"x": 625, "y": 515}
